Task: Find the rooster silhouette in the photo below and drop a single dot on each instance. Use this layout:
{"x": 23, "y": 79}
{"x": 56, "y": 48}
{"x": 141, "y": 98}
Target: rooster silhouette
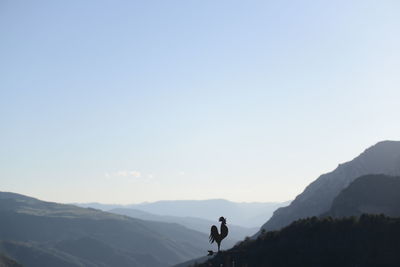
{"x": 217, "y": 237}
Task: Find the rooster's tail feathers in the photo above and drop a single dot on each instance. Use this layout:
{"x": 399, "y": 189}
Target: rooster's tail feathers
{"x": 214, "y": 235}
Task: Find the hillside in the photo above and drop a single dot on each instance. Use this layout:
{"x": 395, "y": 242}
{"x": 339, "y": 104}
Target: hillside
{"x": 373, "y": 194}
{"x": 38, "y": 233}
{"x": 7, "y": 262}
{"x": 382, "y": 158}
{"x": 370, "y": 241}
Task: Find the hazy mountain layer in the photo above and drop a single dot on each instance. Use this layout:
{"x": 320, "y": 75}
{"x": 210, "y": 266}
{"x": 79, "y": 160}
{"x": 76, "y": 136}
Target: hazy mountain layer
{"x": 243, "y": 214}
{"x": 249, "y": 215}
{"x": 38, "y": 233}
{"x": 236, "y": 233}
{"x": 382, "y": 158}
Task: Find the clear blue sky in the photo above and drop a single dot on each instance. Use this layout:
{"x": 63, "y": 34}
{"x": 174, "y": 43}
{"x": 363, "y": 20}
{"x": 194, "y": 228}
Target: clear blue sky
{"x": 130, "y": 101}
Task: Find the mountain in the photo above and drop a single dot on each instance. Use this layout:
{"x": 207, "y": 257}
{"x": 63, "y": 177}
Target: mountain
{"x": 98, "y": 206}
{"x": 367, "y": 241}
{"x": 236, "y": 233}
{"x": 38, "y": 233}
{"x": 249, "y": 215}
{"x": 382, "y": 158}
{"x": 372, "y": 194}
{"x": 243, "y": 214}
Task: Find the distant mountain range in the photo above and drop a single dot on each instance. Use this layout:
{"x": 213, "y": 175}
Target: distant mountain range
{"x": 317, "y": 198}
{"x": 248, "y": 215}
{"x": 164, "y": 233}
{"x": 236, "y": 233}
{"x": 38, "y": 233}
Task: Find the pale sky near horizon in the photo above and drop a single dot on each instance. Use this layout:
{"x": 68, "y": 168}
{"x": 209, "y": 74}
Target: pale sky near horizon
{"x": 132, "y": 101}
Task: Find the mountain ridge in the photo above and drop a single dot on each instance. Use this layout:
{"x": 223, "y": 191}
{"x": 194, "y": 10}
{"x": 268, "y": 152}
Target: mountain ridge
{"x": 317, "y": 197}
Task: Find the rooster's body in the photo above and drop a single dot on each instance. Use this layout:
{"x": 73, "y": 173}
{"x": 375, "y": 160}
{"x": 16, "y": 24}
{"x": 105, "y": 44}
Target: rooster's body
{"x": 218, "y": 237}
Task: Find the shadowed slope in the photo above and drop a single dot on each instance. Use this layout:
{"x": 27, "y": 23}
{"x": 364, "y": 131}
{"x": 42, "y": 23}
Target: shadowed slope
{"x": 369, "y": 241}
{"x": 382, "y": 158}
{"x": 373, "y": 194}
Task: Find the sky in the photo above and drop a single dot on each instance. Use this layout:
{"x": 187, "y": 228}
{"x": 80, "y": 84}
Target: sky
{"x": 133, "y": 101}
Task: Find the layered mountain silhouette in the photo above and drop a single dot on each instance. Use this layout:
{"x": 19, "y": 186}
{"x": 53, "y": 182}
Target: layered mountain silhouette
{"x": 249, "y": 215}
{"x": 237, "y": 233}
{"x": 370, "y": 194}
{"x": 317, "y": 198}
{"x": 355, "y": 231}
{"x": 38, "y": 233}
